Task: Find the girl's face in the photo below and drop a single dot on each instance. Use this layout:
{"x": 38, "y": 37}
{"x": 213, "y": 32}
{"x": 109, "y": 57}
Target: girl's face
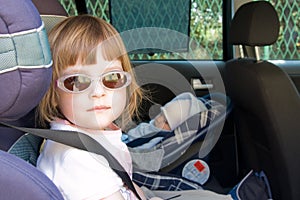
{"x": 96, "y": 107}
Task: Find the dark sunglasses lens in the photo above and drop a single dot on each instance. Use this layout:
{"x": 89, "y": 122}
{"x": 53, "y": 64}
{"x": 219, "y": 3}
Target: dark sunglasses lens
{"x": 114, "y": 80}
{"x": 77, "y": 83}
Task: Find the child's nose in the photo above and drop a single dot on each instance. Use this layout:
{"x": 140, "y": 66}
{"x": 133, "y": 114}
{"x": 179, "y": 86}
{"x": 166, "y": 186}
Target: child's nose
{"x": 97, "y": 90}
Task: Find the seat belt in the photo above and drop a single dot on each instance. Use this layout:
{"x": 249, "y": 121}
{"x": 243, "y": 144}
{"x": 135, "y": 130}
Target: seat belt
{"x": 80, "y": 141}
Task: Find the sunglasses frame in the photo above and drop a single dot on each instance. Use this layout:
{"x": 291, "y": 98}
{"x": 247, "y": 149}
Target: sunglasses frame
{"x": 60, "y": 81}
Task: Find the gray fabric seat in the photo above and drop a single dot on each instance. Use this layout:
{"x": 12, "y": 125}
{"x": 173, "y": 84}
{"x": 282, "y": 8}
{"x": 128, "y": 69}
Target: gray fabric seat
{"x": 266, "y": 103}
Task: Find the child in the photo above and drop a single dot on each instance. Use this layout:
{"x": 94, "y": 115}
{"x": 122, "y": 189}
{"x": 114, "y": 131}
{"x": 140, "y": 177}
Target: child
{"x": 91, "y": 83}
{"x": 174, "y": 113}
{"x": 90, "y": 87}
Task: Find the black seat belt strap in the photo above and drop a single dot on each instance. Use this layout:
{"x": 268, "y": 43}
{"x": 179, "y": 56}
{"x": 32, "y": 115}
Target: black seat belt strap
{"x": 80, "y": 141}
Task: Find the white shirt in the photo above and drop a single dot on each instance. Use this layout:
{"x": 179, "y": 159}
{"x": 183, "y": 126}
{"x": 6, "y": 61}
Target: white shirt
{"x": 80, "y": 174}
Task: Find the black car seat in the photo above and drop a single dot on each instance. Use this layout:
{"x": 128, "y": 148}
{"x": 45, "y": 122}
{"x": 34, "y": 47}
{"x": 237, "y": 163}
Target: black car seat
{"x": 25, "y": 71}
{"x": 266, "y": 103}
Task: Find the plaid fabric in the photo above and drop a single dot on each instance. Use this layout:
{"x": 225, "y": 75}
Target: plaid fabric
{"x": 163, "y": 182}
{"x": 203, "y": 126}
{"x": 193, "y": 126}
{"x": 197, "y": 125}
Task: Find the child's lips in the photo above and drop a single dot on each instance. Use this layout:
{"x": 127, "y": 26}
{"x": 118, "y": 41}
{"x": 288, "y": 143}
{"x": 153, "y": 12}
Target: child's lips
{"x": 99, "y": 108}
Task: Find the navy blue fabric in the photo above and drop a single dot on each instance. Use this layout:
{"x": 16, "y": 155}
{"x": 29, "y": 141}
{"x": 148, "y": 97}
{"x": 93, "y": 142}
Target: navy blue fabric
{"x": 254, "y": 185}
{"x": 140, "y": 141}
{"x": 18, "y": 15}
{"x": 20, "y": 180}
{"x": 156, "y": 181}
{"x": 21, "y": 90}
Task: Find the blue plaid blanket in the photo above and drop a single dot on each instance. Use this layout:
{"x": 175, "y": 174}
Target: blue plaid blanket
{"x": 155, "y": 181}
{"x": 205, "y": 126}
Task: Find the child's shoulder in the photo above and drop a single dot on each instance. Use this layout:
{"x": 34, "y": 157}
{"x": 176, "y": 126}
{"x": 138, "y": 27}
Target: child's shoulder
{"x": 65, "y": 154}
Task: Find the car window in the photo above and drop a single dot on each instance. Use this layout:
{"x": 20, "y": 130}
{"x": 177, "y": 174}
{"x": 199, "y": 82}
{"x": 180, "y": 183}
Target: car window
{"x": 287, "y": 46}
{"x": 206, "y": 30}
{"x": 205, "y": 27}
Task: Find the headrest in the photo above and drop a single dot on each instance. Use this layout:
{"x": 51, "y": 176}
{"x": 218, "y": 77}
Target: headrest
{"x": 25, "y": 59}
{"x": 254, "y": 24}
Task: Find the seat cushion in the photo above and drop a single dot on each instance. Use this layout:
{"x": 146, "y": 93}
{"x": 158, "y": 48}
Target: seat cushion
{"x": 15, "y": 172}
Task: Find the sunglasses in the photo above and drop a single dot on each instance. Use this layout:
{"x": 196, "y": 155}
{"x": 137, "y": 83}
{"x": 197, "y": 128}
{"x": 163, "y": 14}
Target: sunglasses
{"x": 77, "y": 83}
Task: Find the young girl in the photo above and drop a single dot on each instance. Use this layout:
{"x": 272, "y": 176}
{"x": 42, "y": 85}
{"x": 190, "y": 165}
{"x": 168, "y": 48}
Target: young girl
{"x": 92, "y": 85}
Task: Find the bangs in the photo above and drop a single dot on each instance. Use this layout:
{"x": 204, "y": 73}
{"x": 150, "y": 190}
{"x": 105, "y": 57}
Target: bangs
{"x": 79, "y": 39}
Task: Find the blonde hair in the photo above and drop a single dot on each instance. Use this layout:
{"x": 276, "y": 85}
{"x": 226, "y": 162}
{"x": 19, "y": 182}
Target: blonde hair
{"x": 75, "y": 40}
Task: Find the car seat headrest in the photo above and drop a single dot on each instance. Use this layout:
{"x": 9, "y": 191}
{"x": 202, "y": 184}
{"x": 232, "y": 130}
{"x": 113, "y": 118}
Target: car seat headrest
{"x": 254, "y": 24}
{"x": 25, "y": 67}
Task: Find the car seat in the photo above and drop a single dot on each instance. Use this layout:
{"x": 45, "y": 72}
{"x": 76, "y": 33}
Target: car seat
{"x": 266, "y": 103}
{"x": 25, "y": 72}
{"x": 22, "y": 106}
{"x": 199, "y": 133}
{"x": 22, "y": 58}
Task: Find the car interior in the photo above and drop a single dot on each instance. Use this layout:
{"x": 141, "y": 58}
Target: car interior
{"x": 259, "y": 129}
